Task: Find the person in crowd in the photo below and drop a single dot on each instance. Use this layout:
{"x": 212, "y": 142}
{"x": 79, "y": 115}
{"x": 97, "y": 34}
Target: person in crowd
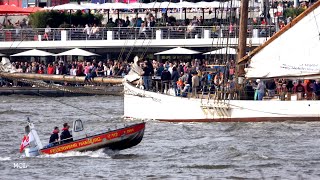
{"x": 50, "y": 69}
{"x": 92, "y": 74}
{"x": 271, "y": 87}
{"x": 80, "y": 70}
{"x": 195, "y": 84}
{"x": 73, "y": 70}
{"x": 300, "y": 90}
{"x": 65, "y": 135}
{"x": 100, "y": 69}
{"x": 165, "y": 79}
{"x": 146, "y": 77}
{"x": 260, "y": 89}
{"x": 174, "y": 79}
{"x": 95, "y": 31}
{"x": 54, "y": 138}
{"x": 62, "y": 69}
{"x": 316, "y": 89}
{"x": 249, "y": 90}
{"x": 47, "y": 32}
{"x": 143, "y": 30}
{"x": 87, "y": 30}
{"x": 309, "y": 88}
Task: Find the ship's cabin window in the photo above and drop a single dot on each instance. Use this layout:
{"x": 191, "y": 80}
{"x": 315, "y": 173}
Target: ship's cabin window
{"x": 78, "y": 126}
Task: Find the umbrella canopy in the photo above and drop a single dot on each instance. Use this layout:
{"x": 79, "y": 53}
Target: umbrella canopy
{"x": 114, "y": 6}
{"x": 34, "y": 52}
{"x": 7, "y": 9}
{"x": 68, "y": 7}
{"x": 33, "y": 9}
{"x": 76, "y": 52}
{"x": 91, "y": 6}
{"x": 223, "y": 51}
{"x": 178, "y": 51}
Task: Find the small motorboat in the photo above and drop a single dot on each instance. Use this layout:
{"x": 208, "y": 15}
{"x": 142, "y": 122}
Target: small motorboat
{"x": 117, "y": 139}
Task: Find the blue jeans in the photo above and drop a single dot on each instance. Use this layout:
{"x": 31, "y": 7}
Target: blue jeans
{"x": 260, "y": 95}
{"x": 146, "y": 82}
{"x": 175, "y": 87}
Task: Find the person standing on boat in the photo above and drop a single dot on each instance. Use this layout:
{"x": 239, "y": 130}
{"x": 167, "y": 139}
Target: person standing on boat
{"x": 65, "y": 135}
{"x": 195, "y": 83}
{"x": 300, "y": 90}
{"x": 316, "y": 89}
{"x": 147, "y": 75}
{"x": 54, "y": 138}
{"x": 260, "y": 89}
{"x": 174, "y": 78}
{"x": 271, "y": 87}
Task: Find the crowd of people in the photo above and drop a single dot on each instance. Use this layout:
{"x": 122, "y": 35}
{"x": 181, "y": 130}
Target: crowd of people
{"x": 90, "y": 69}
{"x": 284, "y": 88}
{"x": 189, "y": 77}
{"x": 196, "y": 77}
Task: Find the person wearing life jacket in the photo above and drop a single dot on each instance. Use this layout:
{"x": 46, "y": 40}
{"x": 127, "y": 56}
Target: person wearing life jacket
{"x": 54, "y": 138}
{"x": 65, "y": 134}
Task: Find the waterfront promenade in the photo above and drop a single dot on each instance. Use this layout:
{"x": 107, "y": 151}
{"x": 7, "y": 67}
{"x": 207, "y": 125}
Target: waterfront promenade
{"x": 173, "y": 36}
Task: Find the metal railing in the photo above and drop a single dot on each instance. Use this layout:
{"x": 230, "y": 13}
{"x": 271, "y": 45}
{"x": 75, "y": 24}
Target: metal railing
{"x": 132, "y": 33}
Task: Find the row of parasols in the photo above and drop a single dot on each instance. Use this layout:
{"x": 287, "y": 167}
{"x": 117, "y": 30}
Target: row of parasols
{"x": 7, "y": 9}
{"x": 81, "y": 52}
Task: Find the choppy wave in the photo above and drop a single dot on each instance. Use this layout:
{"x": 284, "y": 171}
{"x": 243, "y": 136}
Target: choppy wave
{"x": 218, "y": 166}
{"x": 14, "y": 112}
{"x": 5, "y": 158}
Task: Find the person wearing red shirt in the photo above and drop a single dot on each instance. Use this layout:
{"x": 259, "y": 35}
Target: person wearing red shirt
{"x": 41, "y": 70}
{"x": 50, "y": 69}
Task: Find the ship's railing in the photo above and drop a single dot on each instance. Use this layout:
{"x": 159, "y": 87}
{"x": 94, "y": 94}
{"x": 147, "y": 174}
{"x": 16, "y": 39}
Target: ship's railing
{"x": 132, "y": 33}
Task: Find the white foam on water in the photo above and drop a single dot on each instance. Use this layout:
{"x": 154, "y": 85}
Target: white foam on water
{"x": 101, "y": 153}
{"x": 5, "y": 158}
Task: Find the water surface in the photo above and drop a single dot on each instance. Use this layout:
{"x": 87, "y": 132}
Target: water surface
{"x": 286, "y": 150}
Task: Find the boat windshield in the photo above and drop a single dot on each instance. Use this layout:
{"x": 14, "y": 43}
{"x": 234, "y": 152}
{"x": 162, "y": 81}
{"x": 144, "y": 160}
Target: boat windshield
{"x": 78, "y": 126}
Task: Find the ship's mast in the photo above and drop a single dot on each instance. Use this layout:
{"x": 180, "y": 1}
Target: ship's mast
{"x": 242, "y": 36}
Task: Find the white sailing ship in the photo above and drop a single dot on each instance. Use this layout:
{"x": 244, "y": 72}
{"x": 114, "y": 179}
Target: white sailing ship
{"x": 291, "y": 53}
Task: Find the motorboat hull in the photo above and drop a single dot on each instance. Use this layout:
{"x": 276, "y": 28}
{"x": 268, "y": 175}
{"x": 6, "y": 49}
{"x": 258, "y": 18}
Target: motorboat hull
{"x": 115, "y": 140}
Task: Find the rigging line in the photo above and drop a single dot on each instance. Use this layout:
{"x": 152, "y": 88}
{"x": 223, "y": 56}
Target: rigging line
{"x": 267, "y": 112}
{"x": 315, "y": 19}
{"x": 211, "y": 49}
{"x": 66, "y": 104}
{"x": 150, "y": 37}
{"x": 150, "y": 40}
{"x": 221, "y": 28}
{"x": 127, "y": 39}
{"x": 30, "y": 32}
{"x": 131, "y": 49}
{"x": 226, "y": 53}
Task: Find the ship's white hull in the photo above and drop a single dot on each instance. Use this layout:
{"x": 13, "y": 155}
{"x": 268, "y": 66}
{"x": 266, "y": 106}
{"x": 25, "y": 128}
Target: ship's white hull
{"x": 140, "y": 104}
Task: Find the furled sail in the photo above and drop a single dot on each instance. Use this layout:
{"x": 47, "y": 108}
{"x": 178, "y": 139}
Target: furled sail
{"x": 6, "y": 66}
{"x": 294, "y": 53}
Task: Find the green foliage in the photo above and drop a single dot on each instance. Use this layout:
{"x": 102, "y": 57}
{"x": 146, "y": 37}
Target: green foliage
{"x": 57, "y": 19}
{"x": 292, "y": 12}
{"x": 8, "y": 27}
